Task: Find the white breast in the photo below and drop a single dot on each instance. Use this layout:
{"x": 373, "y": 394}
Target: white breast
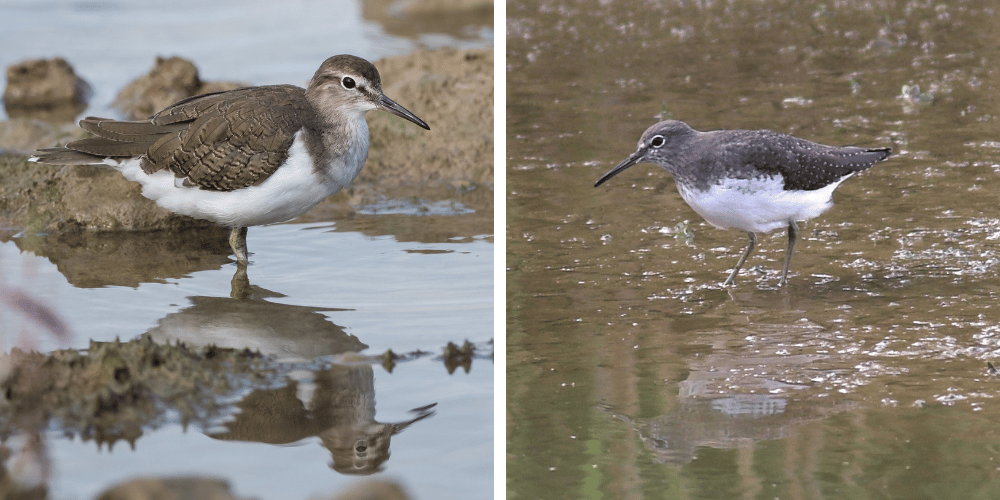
{"x": 293, "y": 189}
{"x": 757, "y": 205}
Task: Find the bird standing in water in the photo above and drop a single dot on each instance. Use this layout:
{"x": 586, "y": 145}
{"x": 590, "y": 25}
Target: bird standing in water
{"x": 754, "y": 180}
{"x": 245, "y": 157}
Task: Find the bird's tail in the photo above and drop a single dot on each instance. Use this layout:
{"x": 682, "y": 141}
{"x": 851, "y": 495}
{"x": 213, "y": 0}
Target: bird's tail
{"x": 114, "y": 142}
{"x": 882, "y": 152}
{"x": 64, "y": 156}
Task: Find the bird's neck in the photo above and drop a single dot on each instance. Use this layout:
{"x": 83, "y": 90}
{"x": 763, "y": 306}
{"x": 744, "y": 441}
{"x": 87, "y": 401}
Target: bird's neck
{"x": 688, "y": 169}
{"x": 340, "y": 148}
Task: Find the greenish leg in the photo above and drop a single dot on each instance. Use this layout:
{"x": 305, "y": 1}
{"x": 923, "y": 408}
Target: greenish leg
{"x": 732, "y": 276}
{"x": 793, "y": 232}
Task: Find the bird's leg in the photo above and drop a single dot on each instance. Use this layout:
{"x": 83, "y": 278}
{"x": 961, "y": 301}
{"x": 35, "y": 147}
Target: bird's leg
{"x": 238, "y": 241}
{"x": 241, "y": 283}
{"x": 793, "y": 231}
{"x": 732, "y": 276}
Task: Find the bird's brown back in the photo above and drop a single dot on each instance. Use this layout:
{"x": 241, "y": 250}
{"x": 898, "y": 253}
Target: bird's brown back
{"x": 221, "y": 141}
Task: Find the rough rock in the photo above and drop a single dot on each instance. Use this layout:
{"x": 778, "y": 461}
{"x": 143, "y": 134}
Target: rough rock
{"x": 170, "y": 80}
{"x": 451, "y": 89}
{"x": 45, "y": 88}
{"x": 22, "y": 135}
{"x": 44, "y": 198}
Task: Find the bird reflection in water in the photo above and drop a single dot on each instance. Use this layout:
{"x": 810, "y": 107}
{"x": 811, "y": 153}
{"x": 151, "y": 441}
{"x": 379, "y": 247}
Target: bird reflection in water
{"x": 248, "y": 319}
{"x": 337, "y": 404}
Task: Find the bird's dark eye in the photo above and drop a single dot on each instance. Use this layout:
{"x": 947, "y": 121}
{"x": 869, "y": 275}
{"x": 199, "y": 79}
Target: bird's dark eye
{"x": 656, "y": 141}
{"x": 348, "y": 82}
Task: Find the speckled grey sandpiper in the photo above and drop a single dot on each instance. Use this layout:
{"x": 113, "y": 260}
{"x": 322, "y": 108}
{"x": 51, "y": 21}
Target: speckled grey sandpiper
{"x": 245, "y": 157}
{"x": 754, "y": 180}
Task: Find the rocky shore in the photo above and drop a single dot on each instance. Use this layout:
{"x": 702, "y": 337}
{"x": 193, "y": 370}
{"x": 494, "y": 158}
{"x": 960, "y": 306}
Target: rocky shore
{"x": 451, "y": 89}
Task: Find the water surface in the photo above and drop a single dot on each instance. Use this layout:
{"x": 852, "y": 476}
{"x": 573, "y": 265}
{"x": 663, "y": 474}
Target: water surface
{"x": 110, "y": 43}
{"x": 633, "y": 374}
{"x": 407, "y": 275}
{"x": 317, "y": 293}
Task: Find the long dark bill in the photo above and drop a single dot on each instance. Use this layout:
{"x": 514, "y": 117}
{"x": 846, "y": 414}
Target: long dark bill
{"x": 391, "y": 106}
{"x": 631, "y": 160}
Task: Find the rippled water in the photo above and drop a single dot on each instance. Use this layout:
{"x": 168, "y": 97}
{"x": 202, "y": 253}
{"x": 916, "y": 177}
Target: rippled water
{"x": 633, "y": 373}
{"x": 407, "y": 275}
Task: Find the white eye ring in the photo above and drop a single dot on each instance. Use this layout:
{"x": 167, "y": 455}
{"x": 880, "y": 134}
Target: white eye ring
{"x": 347, "y": 82}
{"x": 657, "y": 141}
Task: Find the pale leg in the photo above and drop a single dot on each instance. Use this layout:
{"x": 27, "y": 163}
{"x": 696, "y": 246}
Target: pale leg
{"x": 238, "y": 241}
{"x": 241, "y": 283}
{"x": 753, "y": 241}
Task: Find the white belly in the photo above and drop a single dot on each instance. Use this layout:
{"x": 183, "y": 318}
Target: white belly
{"x": 757, "y": 205}
{"x": 292, "y": 190}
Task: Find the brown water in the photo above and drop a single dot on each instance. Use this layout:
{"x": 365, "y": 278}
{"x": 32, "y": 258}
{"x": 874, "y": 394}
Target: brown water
{"x": 405, "y": 275}
{"x": 633, "y": 374}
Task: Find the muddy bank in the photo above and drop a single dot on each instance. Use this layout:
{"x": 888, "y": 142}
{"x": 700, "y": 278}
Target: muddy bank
{"x": 451, "y": 89}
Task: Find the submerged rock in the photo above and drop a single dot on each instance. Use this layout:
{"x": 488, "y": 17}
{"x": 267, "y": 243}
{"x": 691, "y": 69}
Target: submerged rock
{"x": 375, "y": 489}
{"x": 208, "y": 488}
{"x": 171, "y": 488}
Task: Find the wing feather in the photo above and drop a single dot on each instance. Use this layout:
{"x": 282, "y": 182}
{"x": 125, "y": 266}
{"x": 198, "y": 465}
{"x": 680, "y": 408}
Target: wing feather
{"x": 803, "y": 164}
{"x": 221, "y": 141}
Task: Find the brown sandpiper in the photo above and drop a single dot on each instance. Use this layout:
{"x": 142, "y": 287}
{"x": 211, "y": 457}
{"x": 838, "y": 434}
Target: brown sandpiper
{"x": 245, "y": 157}
{"x": 754, "y": 180}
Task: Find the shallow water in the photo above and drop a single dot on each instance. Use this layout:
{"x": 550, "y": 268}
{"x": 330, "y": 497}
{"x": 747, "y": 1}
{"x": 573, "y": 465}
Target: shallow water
{"x": 632, "y": 373}
{"x": 409, "y": 275}
{"x": 317, "y": 292}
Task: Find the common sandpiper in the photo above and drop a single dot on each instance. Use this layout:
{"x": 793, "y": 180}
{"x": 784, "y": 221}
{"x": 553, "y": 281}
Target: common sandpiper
{"x": 245, "y": 157}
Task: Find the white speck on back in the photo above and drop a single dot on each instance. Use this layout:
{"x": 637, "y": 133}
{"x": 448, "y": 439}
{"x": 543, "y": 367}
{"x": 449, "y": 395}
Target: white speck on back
{"x": 293, "y": 189}
{"x": 757, "y": 205}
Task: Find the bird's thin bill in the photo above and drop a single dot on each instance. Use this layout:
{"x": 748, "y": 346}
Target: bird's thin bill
{"x": 391, "y": 106}
{"x": 631, "y": 160}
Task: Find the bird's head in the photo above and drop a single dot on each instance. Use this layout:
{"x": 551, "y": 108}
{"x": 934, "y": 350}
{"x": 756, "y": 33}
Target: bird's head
{"x": 659, "y": 145}
{"x": 350, "y": 85}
